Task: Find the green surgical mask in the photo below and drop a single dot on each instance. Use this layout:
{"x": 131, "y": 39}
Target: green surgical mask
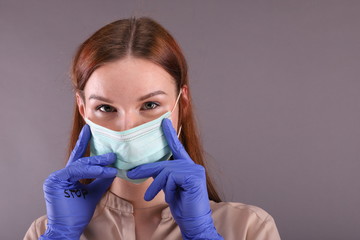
{"x": 143, "y": 144}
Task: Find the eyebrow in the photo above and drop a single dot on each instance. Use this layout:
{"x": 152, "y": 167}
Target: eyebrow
{"x": 151, "y": 95}
{"x": 93, "y": 96}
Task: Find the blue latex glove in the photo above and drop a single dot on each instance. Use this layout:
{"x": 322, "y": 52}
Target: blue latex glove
{"x": 184, "y": 185}
{"x": 69, "y": 204}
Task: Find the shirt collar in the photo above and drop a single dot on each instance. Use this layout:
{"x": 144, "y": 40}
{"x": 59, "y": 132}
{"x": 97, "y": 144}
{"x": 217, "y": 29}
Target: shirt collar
{"x": 113, "y": 201}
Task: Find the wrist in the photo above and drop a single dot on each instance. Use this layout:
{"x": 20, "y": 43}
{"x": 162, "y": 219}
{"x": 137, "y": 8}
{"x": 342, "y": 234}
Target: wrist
{"x": 57, "y": 232}
{"x": 198, "y": 228}
{"x": 208, "y": 233}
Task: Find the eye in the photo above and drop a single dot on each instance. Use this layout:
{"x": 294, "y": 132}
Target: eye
{"x": 150, "y": 105}
{"x": 105, "y": 108}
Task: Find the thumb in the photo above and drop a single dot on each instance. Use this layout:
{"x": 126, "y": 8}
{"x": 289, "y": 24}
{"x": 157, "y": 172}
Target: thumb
{"x": 175, "y": 145}
{"x": 81, "y": 144}
{"x": 100, "y": 185}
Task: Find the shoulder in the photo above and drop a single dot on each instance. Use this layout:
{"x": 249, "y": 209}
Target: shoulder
{"x": 37, "y": 228}
{"x": 240, "y": 210}
{"x": 240, "y": 219}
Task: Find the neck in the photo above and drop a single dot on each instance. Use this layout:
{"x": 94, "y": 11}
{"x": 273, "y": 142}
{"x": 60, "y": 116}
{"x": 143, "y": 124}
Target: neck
{"x": 134, "y": 193}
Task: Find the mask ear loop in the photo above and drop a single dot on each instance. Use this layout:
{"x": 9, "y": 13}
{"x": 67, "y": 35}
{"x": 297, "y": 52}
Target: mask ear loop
{"x": 176, "y": 102}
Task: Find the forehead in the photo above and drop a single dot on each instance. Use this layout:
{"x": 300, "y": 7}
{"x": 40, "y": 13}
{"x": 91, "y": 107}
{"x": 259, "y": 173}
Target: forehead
{"x": 130, "y": 77}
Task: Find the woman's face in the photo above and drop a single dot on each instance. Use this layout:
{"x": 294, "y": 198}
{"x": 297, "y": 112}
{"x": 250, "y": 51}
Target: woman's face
{"x": 129, "y": 92}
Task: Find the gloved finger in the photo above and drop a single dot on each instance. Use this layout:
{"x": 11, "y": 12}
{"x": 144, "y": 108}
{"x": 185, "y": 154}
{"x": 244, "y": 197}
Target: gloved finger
{"x": 74, "y": 173}
{"x": 102, "y": 160}
{"x": 147, "y": 170}
{"x": 171, "y": 181}
{"x": 153, "y": 169}
{"x": 81, "y": 144}
{"x": 156, "y": 186}
{"x": 100, "y": 185}
{"x": 175, "y": 177}
{"x": 170, "y": 191}
{"x": 175, "y": 145}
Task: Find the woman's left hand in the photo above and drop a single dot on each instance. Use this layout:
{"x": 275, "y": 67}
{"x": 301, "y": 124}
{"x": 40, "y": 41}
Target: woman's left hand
{"x": 184, "y": 185}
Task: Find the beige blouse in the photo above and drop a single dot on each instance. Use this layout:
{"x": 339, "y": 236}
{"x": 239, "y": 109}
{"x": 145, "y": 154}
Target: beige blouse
{"x": 114, "y": 219}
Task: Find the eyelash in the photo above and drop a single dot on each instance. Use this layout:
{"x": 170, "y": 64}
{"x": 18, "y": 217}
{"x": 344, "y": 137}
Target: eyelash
{"x": 104, "y": 105}
{"x": 153, "y": 103}
{"x": 142, "y": 108}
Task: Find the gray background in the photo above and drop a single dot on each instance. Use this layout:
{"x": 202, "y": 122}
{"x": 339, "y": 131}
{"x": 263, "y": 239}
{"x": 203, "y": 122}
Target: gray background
{"x": 276, "y": 90}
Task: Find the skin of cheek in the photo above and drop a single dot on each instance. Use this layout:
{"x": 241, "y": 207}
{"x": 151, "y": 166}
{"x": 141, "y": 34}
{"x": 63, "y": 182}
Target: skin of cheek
{"x": 175, "y": 114}
{"x": 174, "y": 118}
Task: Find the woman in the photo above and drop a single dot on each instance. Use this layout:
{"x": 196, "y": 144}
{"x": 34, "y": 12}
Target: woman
{"x": 133, "y": 106}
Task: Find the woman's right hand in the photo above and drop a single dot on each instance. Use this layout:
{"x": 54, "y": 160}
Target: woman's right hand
{"x": 70, "y": 205}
